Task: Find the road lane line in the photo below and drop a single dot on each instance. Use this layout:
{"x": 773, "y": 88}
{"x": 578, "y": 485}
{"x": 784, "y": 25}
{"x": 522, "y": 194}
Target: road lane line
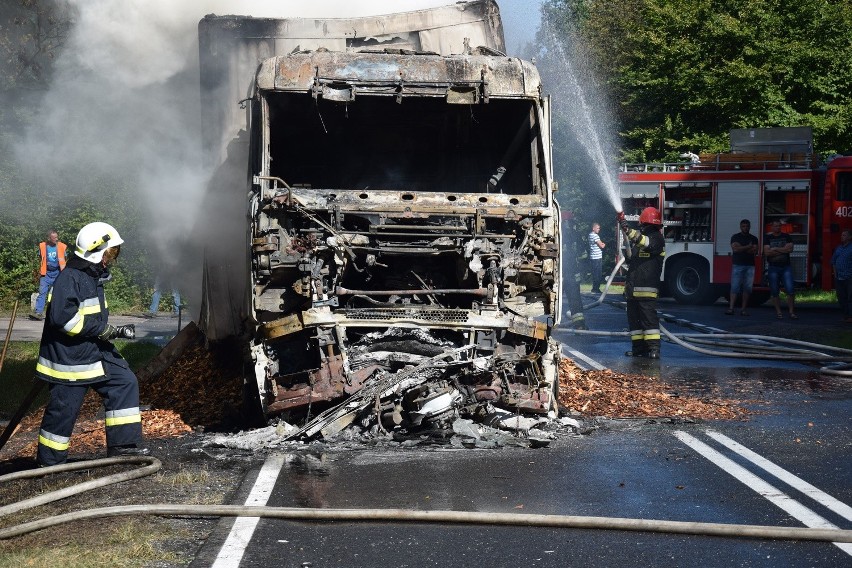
{"x": 582, "y": 357}
{"x": 797, "y": 483}
{"x": 238, "y": 539}
{"x": 775, "y": 496}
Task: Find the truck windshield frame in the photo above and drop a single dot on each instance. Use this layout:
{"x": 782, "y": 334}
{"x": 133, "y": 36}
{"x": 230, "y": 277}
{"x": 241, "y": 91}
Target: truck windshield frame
{"x": 421, "y": 144}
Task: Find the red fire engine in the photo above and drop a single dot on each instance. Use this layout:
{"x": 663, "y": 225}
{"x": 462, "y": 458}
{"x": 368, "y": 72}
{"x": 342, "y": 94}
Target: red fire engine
{"x": 769, "y": 174}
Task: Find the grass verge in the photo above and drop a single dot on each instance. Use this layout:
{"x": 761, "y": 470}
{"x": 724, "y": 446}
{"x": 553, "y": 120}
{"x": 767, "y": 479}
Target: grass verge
{"x": 127, "y": 543}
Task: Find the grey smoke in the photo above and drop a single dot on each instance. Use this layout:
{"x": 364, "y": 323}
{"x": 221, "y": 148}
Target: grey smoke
{"x": 124, "y": 99}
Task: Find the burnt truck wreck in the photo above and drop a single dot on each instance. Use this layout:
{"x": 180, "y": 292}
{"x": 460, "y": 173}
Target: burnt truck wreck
{"x": 404, "y": 240}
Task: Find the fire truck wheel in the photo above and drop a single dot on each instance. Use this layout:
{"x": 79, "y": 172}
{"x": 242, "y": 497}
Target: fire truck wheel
{"x": 689, "y": 282}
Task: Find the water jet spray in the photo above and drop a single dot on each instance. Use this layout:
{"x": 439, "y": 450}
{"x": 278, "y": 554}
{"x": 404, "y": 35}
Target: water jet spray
{"x": 587, "y": 122}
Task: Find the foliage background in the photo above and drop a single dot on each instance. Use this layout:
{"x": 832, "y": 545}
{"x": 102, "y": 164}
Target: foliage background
{"x": 32, "y": 206}
{"x": 666, "y": 77}
{"x": 34, "y": 199}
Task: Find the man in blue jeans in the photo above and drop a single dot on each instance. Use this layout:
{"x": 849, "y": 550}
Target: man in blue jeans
{"x": 744, "y": 247}
{"x": 161, "y": 284}
{"x": 777, "y": 247}
{"x": 52, "y": 255}
{"x": 841, "y": 260}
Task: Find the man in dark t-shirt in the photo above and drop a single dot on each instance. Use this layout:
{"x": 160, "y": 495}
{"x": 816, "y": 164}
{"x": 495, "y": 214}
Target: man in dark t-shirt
{"x": 744, "y": 247}
{"x": 777, "y": 247}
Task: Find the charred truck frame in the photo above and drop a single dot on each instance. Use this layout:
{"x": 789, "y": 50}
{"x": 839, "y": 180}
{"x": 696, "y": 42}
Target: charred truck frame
{"x": 404, "y": 236}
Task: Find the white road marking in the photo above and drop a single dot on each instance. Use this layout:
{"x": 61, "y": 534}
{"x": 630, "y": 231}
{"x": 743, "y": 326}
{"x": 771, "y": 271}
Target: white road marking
{"x": 235, "y": 545}
{"x": 775, "y": 496}
{"x": 797, "y": 483}
{"x": 582, "y": 357}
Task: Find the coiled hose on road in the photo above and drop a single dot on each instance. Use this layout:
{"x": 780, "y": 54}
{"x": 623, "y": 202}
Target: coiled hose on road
{"x": 152, "y": 465}
{"x": 744, "y": 346}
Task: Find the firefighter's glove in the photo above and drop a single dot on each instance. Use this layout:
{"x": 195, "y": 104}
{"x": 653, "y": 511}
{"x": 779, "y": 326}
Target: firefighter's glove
{"x": 109, "y": 332}
{"x": 634, "y": 236}
{"x": 622, "y": 222}
{"x": 126, "y": 331}
{"x": 122, "y": 332}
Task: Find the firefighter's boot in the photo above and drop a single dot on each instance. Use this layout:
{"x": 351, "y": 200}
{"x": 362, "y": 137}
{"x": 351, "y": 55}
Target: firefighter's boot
{"x": 653, "y": 346}
{"x": 638, "y": 349}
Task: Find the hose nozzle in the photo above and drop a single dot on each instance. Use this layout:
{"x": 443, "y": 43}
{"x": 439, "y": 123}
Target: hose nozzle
{"x": 620, "y": 216}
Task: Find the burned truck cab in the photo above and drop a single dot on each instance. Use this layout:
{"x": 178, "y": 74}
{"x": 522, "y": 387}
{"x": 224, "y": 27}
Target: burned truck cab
{"x": 404, "y": 238}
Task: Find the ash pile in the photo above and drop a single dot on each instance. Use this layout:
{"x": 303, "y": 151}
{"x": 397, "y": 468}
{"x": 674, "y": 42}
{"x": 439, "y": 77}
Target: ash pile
{"x": 497, "y": 429}
{"x": 440, "y": 396}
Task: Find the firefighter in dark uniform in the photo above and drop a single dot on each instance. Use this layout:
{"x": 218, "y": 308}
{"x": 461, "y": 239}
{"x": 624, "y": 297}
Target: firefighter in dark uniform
{"x": 76, "y": 353}
{"x": 643, "y": 282}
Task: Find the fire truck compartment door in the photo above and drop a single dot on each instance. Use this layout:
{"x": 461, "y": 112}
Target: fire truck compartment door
{"x": 735, "y": 201}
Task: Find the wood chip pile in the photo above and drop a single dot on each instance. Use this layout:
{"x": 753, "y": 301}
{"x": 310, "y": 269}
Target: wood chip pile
{"x": 203, "y": 386}
{"x": 616, "y": 395}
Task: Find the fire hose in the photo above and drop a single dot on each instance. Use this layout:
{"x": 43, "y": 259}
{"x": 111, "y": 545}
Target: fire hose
{"x": 838, "y": 361}
{"x": 152, "y": 465}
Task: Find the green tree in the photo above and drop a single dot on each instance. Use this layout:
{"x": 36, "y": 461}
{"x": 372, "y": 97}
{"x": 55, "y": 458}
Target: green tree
{"x": 32, "y": 205}
{"x": 684, "y": 74}
{"x": 32, "y": 32}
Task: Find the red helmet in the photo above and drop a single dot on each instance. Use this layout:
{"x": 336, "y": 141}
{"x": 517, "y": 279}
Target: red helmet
{"x": 651, "y": 216}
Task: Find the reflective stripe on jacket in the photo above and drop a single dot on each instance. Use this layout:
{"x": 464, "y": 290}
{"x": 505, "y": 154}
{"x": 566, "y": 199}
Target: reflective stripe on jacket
{"x": 60, "y": 256}
{"x": 645, "y": 264}
{"x": 70, "y": 350}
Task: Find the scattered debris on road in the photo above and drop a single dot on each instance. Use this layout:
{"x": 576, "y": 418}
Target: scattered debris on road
{"x": 202, "y": 391}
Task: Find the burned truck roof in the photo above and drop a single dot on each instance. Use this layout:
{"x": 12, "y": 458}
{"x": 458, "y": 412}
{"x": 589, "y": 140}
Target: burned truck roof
{"x": 328, "y": 74}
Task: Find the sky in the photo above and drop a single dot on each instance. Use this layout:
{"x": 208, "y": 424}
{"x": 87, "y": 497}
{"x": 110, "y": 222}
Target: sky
{"x": 521, "y": 19}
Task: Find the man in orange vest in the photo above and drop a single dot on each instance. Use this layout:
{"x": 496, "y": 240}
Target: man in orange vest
{"x": 52, "y": 254}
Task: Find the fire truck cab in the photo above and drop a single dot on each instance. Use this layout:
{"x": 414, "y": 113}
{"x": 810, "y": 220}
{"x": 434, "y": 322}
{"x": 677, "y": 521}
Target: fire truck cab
{"x": 769, "y": 174}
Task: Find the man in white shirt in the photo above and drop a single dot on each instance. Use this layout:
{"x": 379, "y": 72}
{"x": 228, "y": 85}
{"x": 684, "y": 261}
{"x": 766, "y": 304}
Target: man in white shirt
{"x": 596, "y": 246}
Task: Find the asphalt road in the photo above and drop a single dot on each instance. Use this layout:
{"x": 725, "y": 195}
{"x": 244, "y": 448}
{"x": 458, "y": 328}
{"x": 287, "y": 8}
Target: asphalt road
{"x": 817, "y": 323}
{"x": 788, "y": 465}
{"x": 635, "y": 471}
{"x": 159, "y": 329}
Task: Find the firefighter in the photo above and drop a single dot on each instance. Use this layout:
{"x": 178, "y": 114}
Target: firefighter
{"x": 76, "y": 353}
{"x": 643, "y": 282}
